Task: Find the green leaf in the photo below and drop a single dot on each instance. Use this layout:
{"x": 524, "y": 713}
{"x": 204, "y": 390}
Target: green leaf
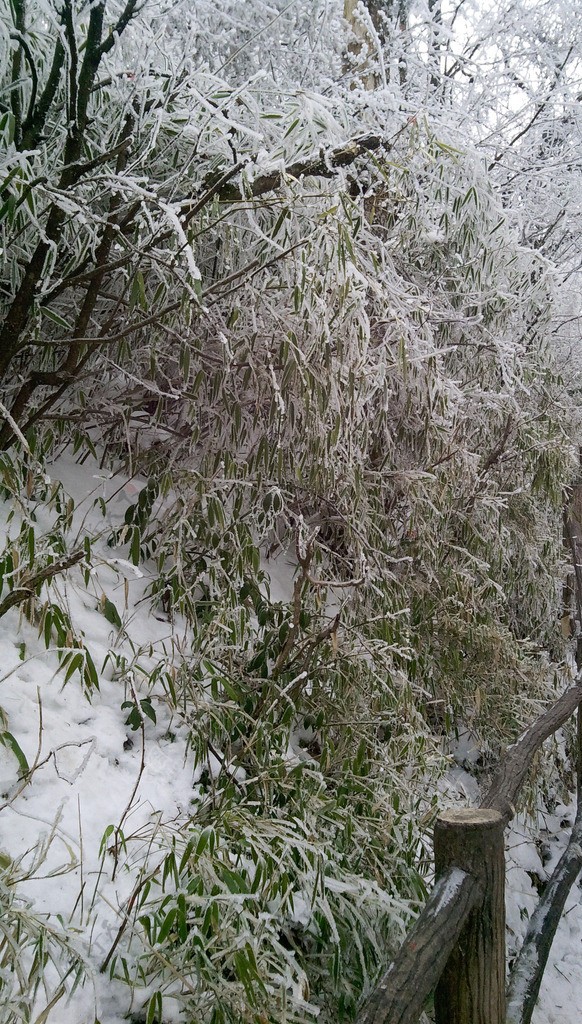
{"x": 138, "y": 295}
{"x": 8, "y": 125}
{"x": 182, "y": 918}
{"x": 167, "y": 924}
{"x": 134, "y": 548}
{"x": 7, "y": 209}
{"x": 134, "y": 719}
{"x": 233, "y": 880}
{"x": 48, "y": 626}
{"x": 230, "y": 690}
{"x": 90, "y": 677}
{"x": 202, "y": 842}
{"x": 104, "y": 839}
{"x": 111, "y": 614}
{"x": 75, "y": 665}
{"x": 5, "y": 861}
{"x": 186, "y": 855}
{"x": 291, "y": 127}
{"x": 448, "y": 149}
{"x": 9, "y": 741}
{"x": 148, "y": 710}
{"x": 31, "y": 546}
{"x": 56, "y": 319}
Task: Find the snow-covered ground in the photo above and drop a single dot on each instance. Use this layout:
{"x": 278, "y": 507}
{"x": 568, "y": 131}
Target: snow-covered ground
{"x": 87, "y": 772}
{"x": 90, "y": 772}
{"x": 560, "y": 999}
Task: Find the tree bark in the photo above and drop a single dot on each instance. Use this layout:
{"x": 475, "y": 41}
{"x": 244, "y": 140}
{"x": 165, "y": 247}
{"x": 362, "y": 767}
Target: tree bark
{"x": 408, "y": 982}
{"x": 471, "y": 989}
{"x": 509, "y": 777}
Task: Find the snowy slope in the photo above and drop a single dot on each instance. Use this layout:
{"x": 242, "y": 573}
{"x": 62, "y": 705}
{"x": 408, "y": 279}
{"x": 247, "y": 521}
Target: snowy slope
{"x": 86, "y": 762}
{"x": 91, "y": 773}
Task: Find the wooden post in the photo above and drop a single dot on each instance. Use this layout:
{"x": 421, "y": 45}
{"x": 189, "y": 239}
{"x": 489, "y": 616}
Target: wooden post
{"x": 472, "y": 986}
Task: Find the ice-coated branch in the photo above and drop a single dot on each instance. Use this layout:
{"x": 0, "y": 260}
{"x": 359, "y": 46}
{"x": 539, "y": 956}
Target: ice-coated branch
{"x": 130, "y": 10}
{"x": 37, "y": 114}
{"x": 322, "y": 165}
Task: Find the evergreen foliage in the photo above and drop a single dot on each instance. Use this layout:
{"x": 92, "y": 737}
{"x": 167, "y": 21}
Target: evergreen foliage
{"x": 341, "y": 390}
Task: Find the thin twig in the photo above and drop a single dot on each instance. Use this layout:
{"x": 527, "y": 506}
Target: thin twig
{"x": 19, "y": 38}
{"x": 139, "y": 774}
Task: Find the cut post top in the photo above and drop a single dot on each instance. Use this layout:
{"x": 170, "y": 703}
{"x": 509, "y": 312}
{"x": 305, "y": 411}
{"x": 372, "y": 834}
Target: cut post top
{"x": 470, "y": 817}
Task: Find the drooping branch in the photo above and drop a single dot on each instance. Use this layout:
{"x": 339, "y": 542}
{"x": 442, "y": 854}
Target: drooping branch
{"x": 31, "y": 581}
{"x": 509, "y": 777}
{"x": 324, "y": 164}
{"x": 219, "y": 186}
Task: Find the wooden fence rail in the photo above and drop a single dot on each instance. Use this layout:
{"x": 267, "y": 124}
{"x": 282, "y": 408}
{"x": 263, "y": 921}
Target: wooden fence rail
{"x": 456, "y": 948}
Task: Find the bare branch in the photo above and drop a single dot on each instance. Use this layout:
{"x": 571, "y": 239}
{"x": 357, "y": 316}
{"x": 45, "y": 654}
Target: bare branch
{"x": 508, "y": 779}
{"x": 19, "y": 38}
{"x": 538, "y": 111}
{"x": 36, "y": 118}
{"x": 323, "y": 165}
{"x": 130, "y": 11}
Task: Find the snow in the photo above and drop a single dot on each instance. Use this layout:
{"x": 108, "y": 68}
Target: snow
{"x": 85, "y": 761}
{"x": 87, "y": 778}
{"x": 448, "y": 889}
{"x": 560, "y": 998}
